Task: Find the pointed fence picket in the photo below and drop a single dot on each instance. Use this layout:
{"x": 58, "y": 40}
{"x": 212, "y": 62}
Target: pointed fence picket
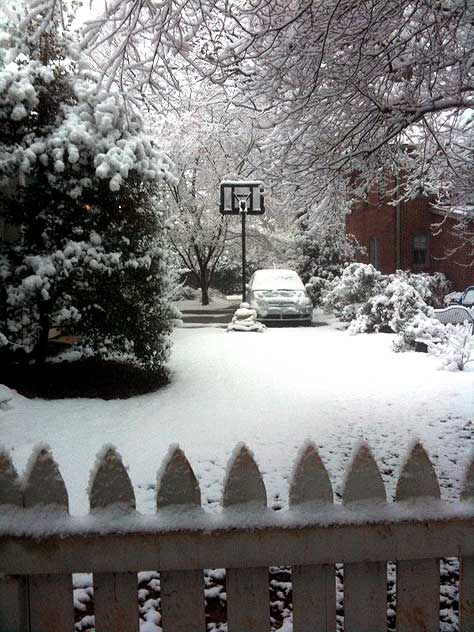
{"x": 115, "y": 594}
{"x": 13, "y": 590}
{"x": 365, "y": 584}
{"x": 417, "y": 580}
{"x": 466, "y": 590}
{"x": 248, "y": 589}
{"x": 182, "y": 592}
{"x": 44, "y": 486}
{"x": 182, "y": 540}
{"x": 314, "y": 587}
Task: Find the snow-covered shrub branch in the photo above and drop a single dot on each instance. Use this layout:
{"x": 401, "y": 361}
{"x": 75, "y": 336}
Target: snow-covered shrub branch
{"x": 452, "y": 344}
{"x": 390, "y": 310}
{"x": 356, "y": 285}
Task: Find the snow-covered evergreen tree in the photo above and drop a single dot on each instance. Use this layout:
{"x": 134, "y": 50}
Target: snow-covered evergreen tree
{"x": 323, "y": 250}
{"x": 79, "y": 176}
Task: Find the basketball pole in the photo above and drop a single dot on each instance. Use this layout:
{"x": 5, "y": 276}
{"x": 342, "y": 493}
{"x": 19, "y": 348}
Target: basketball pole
{"x": 242, "y": 191}
{"x": 243, "y": 213}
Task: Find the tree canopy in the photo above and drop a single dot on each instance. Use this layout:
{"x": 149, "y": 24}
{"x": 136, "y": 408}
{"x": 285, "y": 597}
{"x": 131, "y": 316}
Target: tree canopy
{"x": 341, "y": 87}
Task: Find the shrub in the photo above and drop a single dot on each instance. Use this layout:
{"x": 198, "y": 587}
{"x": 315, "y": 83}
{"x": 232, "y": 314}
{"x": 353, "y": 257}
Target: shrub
{"x": 455, "y": 350}
{"x": 322, "y": 254}
{"x": 452, "y": 344}
{"x": 431, "y": 287}
{"x": 391, "y": 310}
{"x": 420, "y": 328}
{"x": 316, "y": 288}
{"x": 372, "y": 301}
{"x": 356, "y": 285}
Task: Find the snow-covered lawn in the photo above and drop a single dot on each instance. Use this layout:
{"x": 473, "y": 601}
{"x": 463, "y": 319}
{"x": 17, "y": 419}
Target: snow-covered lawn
{"x": 272, "y": 391}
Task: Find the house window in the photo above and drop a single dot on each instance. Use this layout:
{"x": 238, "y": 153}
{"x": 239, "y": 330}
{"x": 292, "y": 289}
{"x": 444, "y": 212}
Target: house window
{"x": 420, "y": 250}
{"x": 374, "y": 251}
{"x": 9, "y": 232}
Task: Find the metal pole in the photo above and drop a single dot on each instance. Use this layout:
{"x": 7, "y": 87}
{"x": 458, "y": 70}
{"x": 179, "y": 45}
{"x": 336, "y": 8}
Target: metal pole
{"x": 243, "y": 212}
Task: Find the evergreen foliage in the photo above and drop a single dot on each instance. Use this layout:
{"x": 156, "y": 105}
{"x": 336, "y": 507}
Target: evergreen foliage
{"x": 323, "y": 252}
{"x": 79, "y": 176}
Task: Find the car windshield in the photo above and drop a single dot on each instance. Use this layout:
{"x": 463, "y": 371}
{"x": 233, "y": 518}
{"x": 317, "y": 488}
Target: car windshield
{"x": 277, "y": 280}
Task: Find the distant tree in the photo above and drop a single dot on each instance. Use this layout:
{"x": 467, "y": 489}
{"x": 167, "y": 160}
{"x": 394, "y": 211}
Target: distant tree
{"x": 325, "y": 251}
{"x": 79, "y": 176}
{"x": 322, "y": 248}
{"x": 208, "y": 140}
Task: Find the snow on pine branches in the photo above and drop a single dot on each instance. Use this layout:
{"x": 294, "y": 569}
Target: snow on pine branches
{"x": 79, "y": 176}
{"x": 57, "y": 120}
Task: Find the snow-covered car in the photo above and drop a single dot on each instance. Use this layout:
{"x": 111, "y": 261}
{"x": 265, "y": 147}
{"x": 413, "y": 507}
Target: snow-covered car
{"x": 465, "y": 298}
{"x": 279, "y": 295}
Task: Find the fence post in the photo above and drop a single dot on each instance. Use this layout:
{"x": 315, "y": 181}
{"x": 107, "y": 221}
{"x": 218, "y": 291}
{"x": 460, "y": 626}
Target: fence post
{"x": 115, "y": 594}
{"x": 314, "y": 587}
{"x": 417, "y": 580}
{"x": 51, "y": 607}
{"x": 365, "y": 584}
{"x": 248, "y": 590}
{"x": 466, "y": 565}
{"x": 13, "y": 604}
{"x": 182, "y": 592}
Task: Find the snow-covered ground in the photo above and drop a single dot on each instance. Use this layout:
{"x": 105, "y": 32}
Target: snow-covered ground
{"x": 272, "y": 390}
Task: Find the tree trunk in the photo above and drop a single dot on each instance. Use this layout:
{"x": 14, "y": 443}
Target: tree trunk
{"x": 42, "y": 346}
{"x": 204, "y": 283}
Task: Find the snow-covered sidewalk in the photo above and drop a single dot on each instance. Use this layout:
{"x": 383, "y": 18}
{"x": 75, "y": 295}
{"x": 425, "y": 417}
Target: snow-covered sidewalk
{"x": 272, "y": 391}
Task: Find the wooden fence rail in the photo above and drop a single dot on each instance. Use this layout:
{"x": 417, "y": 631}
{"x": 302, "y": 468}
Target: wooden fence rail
{"x": 41, "y": 545}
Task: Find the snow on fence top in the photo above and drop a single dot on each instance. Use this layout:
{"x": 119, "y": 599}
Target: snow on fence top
{"x": 37, "y": 505}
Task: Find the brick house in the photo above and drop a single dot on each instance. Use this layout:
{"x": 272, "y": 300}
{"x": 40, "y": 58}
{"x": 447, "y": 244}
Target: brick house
{"x": 400, "y": 237}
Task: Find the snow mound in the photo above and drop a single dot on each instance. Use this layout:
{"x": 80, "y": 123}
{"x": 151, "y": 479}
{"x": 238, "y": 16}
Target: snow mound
{"x": 7, "y": 397}
{"x": 245, "y": 319}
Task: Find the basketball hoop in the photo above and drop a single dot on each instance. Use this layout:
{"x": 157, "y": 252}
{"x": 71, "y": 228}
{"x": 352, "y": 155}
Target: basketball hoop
{"x": 242, "y": 198}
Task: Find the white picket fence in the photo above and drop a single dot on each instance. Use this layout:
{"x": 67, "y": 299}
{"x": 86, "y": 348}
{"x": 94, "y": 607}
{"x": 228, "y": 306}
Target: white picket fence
{"x": 41, "y": 545}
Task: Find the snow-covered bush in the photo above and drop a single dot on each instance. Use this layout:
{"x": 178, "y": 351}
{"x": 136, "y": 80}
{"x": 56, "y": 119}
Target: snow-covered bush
{"x": 391, "y": 310}
{"x": 80, "y": 177}
{"x": 455, "y": 350}
{"x": 431, "y": 287}
{"x": 452, "y": 344}
{"x": 316, "y": 288}
{"x": 421, "y": 328}
{"x": 356, "y": 285}
{"x": 322, "y": 253}
{"x": 371, "y": 301}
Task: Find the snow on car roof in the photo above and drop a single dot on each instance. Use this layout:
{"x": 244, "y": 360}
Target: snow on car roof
{"x": 277, "y": 280}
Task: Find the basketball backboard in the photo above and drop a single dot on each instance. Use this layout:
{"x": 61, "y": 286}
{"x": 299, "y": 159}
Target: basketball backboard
{"x": 244, "y": 196}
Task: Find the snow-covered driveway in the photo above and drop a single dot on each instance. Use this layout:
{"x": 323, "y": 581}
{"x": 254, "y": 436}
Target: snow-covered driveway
{"x": 272, "y": 391}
